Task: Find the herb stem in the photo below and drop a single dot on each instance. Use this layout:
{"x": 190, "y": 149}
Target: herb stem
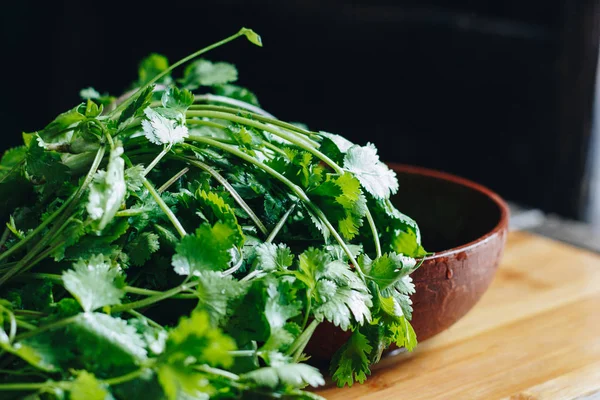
{"x": 205, "y": 123}
{"x": 301, "y": 341}
{"x": 374, "y": 231}
{"x": 291, "y": 136}
{"x": 26, "y": 325}
{"x": 142, "y": 316}
{"x": 124, "y": 378}
{"x": 184, "y": 60}
{"x": 156, "y": 160}
{"x": 30, "y": 385}
{"x": 156, "y": 298}
{"x": 173, "y": 179}
{"x": 236, "y": 196}
{"x": 163, "y": 206}
{"x": 213, "y": 98}
{"x": 54, "y": 325}
{"x": 217, "y": 372}
{"x": 280, "y": 224}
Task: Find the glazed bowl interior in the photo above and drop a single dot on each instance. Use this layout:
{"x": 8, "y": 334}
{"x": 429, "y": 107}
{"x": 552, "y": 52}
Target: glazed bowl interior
{"x": 449, "y": 212}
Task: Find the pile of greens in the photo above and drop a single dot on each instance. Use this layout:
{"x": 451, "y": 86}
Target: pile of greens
{"x": 171, "y": 245}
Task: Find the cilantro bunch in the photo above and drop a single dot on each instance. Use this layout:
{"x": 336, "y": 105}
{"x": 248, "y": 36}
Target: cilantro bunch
{"x": 167, "y": 244}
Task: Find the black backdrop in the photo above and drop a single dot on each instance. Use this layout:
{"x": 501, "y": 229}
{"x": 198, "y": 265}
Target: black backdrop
{"x": 499, "y": 92}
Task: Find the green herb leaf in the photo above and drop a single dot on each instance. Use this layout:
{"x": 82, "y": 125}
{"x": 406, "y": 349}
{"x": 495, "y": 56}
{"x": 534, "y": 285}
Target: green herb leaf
{"x": 87, "y": 387}
{"x": 374, "y": 176}
{"x": 160, "y": 130}
{"x": 206, "y": 73}
{"x": 350, "y": 363}
{"x": 108, "y": 190}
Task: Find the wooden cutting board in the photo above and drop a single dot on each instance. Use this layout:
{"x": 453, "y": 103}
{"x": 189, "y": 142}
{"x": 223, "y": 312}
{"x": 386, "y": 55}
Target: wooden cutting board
{"x": 535, "y": 334}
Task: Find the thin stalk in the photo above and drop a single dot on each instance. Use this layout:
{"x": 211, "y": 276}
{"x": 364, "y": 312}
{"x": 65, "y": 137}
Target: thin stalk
{"x": 280, "y": 224}
{"x": 149, "y": 292}
{"x": 142, "y": 316}
{"x": 158, "y": 77}
{"x": 154, "y": 299}
{"x": 301, "y": 341}
{"x": 30, "y": 313}
{"x": 257, "y": 116}
{"x": 156, "y": 160}
{"x": 48, "y": 237}
{"x": 251, "y": 275}
{"x": 4, "y": 237}
{"x": 232, "y": 102}
{"x": 173, "y": 179}
{"x": 163, "y": 206}
{"x": 236, "y": 196}
{"x": 292, "y": 137}
{"x": 124, "y": 378}
{"x": 205, "y": 123}
{"x": 26, "y": 325}
{"x": 217, "y": 372}
{"x": 374, "y": 231}
{"x": 31, "y": 386}
{"x": 130, "y": 212}
{"x": 293, "y": 187}
{"x": 54, "y": 325}
{"x": 308, "y": 307}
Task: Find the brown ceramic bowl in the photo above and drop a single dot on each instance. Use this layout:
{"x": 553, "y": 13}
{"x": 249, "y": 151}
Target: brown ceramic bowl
{"x": 465, "y": 224}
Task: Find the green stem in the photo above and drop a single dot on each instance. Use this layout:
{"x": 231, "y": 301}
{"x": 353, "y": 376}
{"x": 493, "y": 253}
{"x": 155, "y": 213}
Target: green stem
{"x": 163, "y": 206}
{"x": 173, "y": 179}
{"x": 26, "y": 325}
{"x": 31, "y": 386}
{"x": 149, "y": 292}
{"x": 217, "y": 372}
{"x": 292, "y": 137}
{"x": 205, "y": 123}
{"x": 308, "y": 307}
{"x": 213, "y": 98}
{"x": 30, "y": 313}
{"x": 4, "y": 237}
{"x": 251, "y": 275}
{"x": 238, "y": 199}
{"x": 158, "y": 77}
{"x": 301, "y": 341}
{"x": 124, "y": 378}
{"x": 154, "y": 299}
{"x": 54, "y": 325}
{"x": 156, "y": 160}
{"x": 142, "y": 316}
{"x": 293, "y": 187}
{"x": 263, "y": 118}
{"x": 130, "y": 212}
{"x": 280, "y": 224}
{"x": 50, "y": 235}
{"x": 375, "y": 234}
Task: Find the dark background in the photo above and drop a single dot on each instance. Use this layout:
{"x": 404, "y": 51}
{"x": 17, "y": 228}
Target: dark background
{"x": 497, "y": 91}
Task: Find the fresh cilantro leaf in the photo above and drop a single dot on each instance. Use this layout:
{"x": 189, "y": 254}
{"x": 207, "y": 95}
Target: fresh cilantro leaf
{"x": 108, "y": 190}
{"x": 57, "y": 131}
{"x": 134, "y": 178}
{"x": 341, "y": 142}
{"x": 207, "y": 250}
{"x": 177, "y": 99}
{"x": 107, "y": 342}
{"x": 279, "y": 309}
{"x": 141, "y": 248}
{"x": 87, "y": 387}
{"x": 136, "y": 107}
{"x": 350, "y": 363}
{"x": 374, "y": 176}
{"x": 195, "y": 340}
{"x": 160, "y": 130}
{"x": 216, "y": 292}
{"x": 94, "y": 283}
{"x": 236, "y": 92}
{"x": 206, "y": 73}
{"x": 294, "y": 375}
{"x": 388, "y": 268}
{"x": 270, "y": 257}
{"x": 10, "y": 161}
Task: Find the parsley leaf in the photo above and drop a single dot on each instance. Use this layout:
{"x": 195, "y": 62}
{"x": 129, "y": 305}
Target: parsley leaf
{"x": 270, "y": 256}
{"x": 160, "y": 130}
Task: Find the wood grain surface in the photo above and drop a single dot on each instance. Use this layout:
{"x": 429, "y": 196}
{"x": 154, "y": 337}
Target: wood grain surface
{"x": 534, "y": 335}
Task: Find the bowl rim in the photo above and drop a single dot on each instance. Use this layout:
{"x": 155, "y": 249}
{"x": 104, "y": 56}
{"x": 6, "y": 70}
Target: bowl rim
{"x": 455, "y": 179}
